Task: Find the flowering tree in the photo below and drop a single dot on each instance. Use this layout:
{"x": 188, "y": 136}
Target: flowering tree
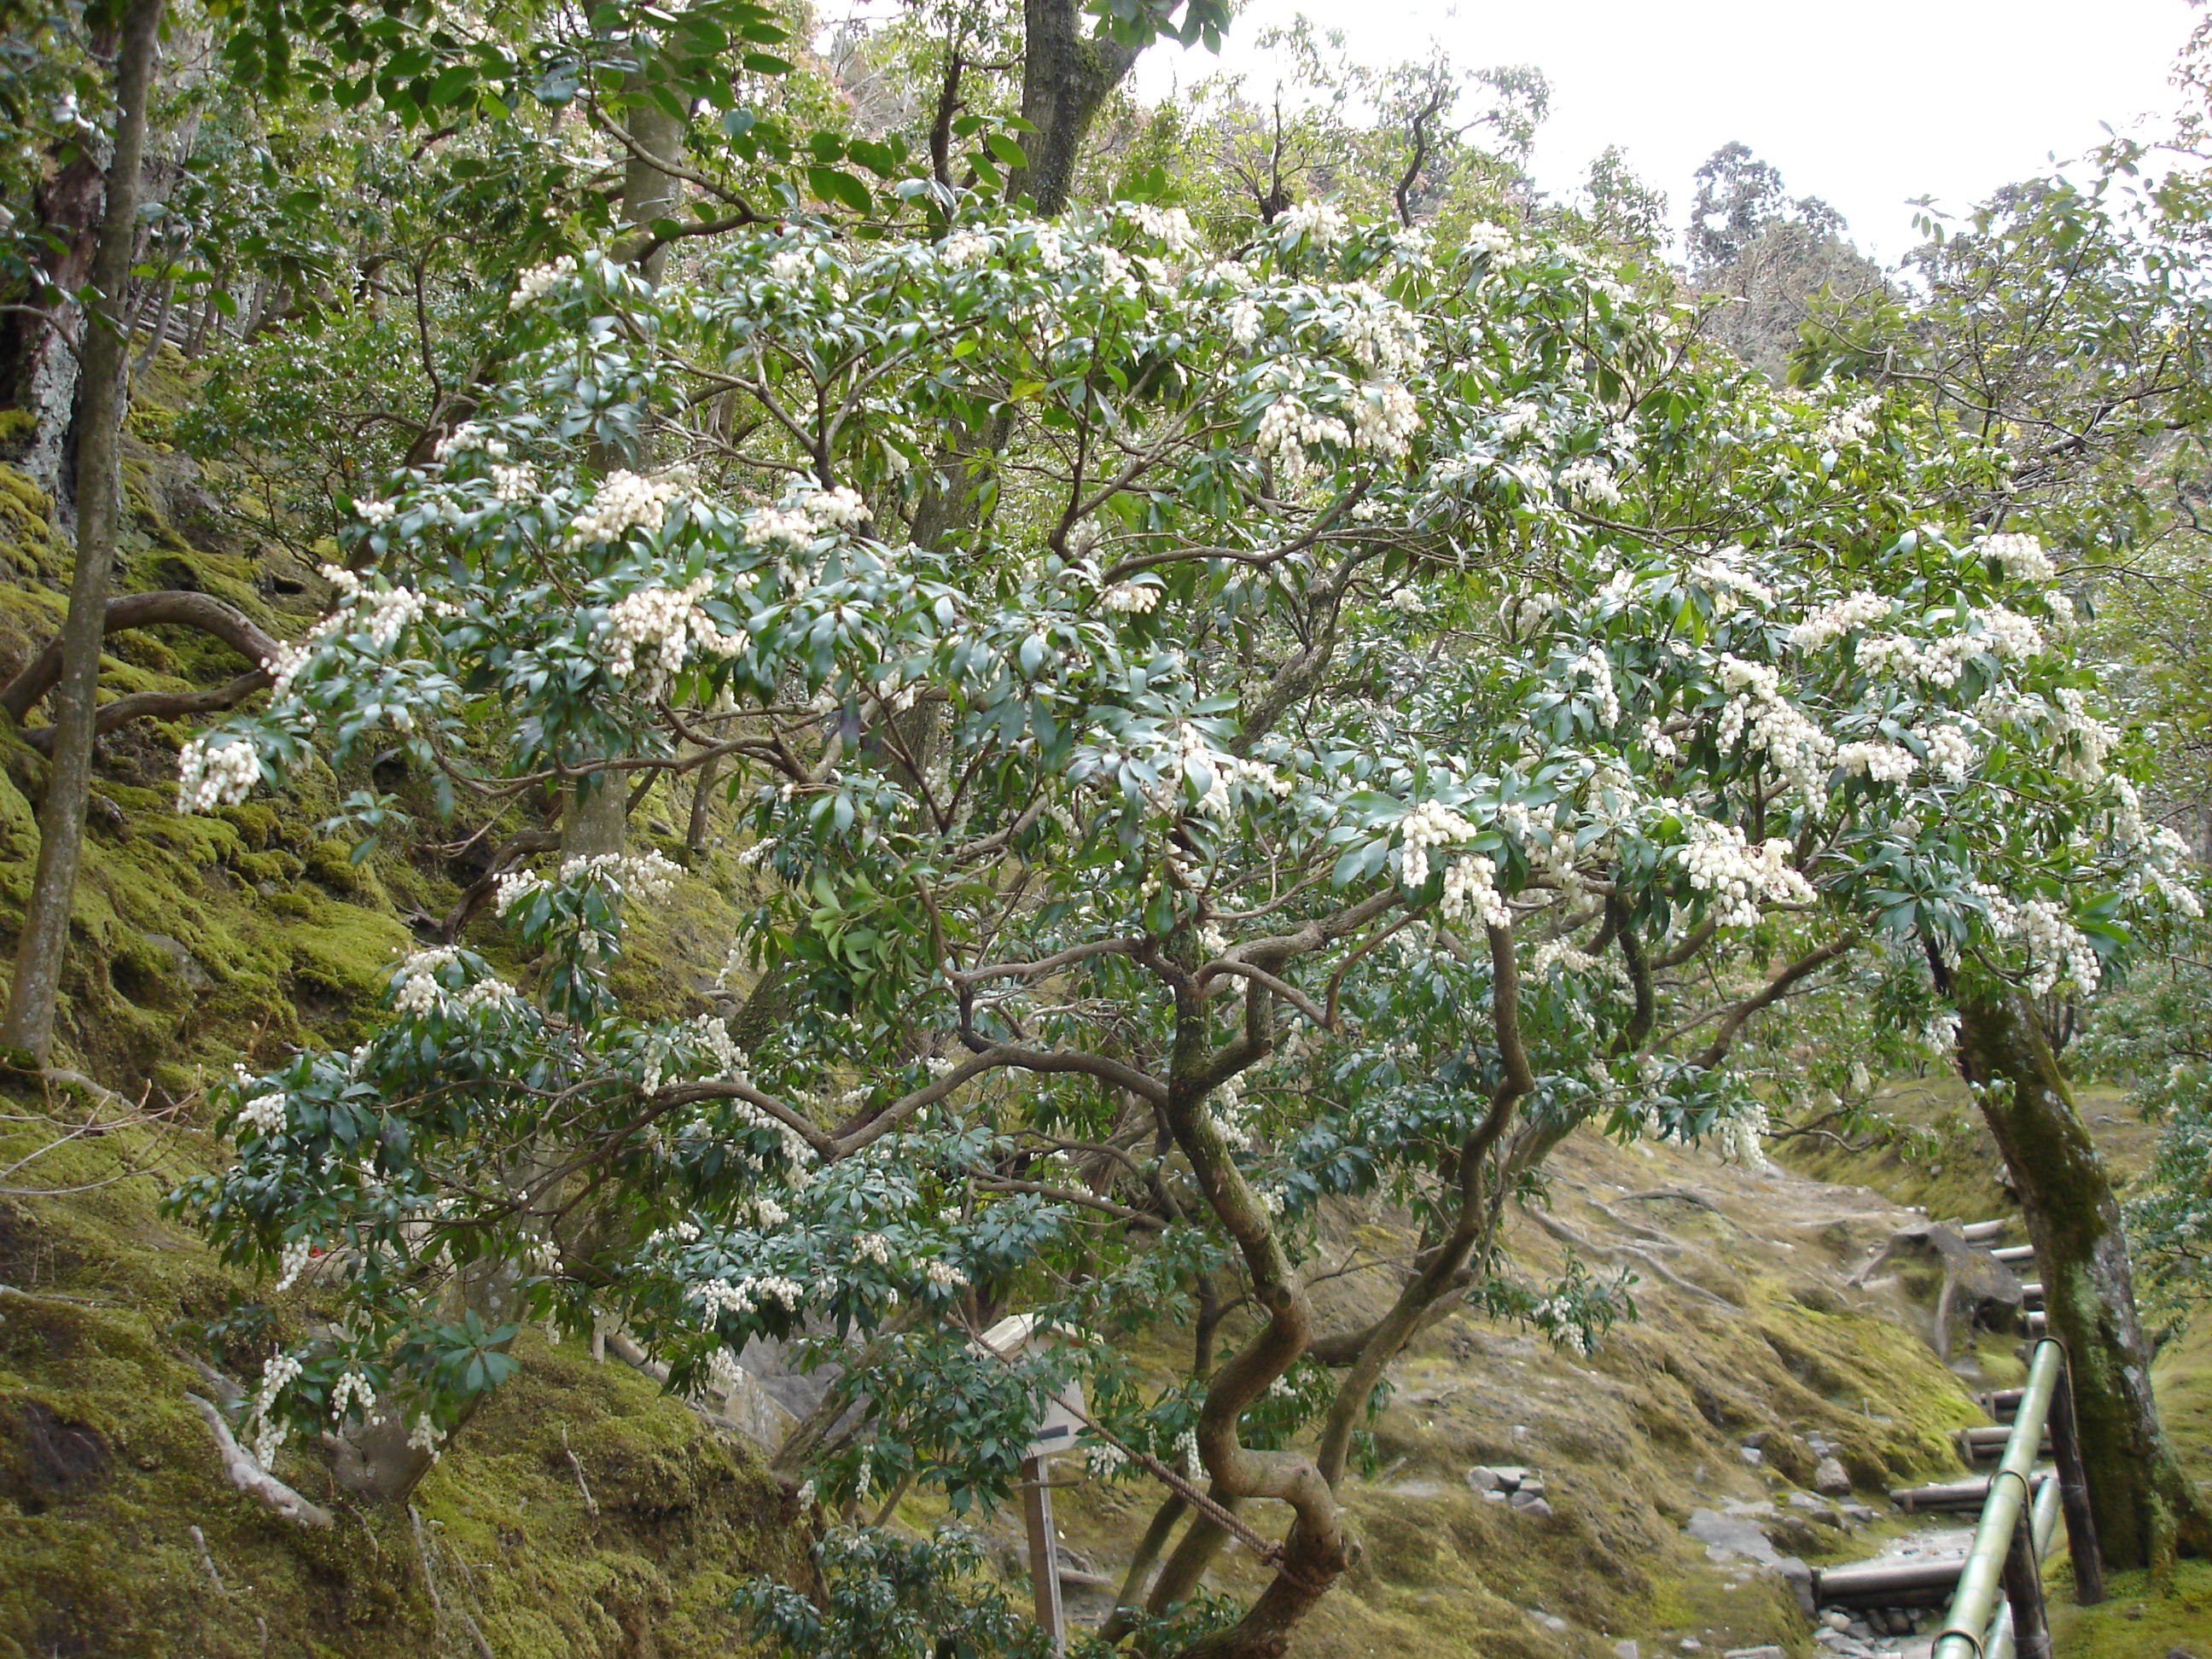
{"x": 1224, "y": 733}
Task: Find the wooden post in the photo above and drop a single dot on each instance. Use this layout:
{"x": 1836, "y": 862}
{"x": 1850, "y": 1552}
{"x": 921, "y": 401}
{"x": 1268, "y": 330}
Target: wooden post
{"x": 2074, "y": 1493}
{"x": 2023, "y": 1583}
{"x": 1044, "y": 1555}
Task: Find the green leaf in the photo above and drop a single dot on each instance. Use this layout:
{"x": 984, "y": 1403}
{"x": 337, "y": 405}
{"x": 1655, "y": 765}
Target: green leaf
{"x": 841, "y": 188}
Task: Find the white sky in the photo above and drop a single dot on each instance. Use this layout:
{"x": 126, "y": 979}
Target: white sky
{"x": 1866, "y": 106}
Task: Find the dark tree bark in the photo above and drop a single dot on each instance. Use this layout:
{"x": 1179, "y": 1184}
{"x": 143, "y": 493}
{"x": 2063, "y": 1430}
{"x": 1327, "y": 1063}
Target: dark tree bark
{"x": 1067, "y": 73}
{"x": 99, "y": 437}
{"x": 2146, "y": 1509}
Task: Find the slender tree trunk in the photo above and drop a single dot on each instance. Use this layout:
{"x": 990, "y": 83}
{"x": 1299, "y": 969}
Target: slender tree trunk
{"x": 100, "y": 410}
{"x": 2146, "y": 1509}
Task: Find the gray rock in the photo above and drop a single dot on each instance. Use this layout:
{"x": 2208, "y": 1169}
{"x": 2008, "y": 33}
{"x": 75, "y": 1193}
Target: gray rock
{"x": 1727, "y": 1535}
{"x": 1831, "y": 1478}
{"x": 1836, "y": 1621}
{"x": 1691, "y": 1644}
{"x": 1484, "y": 1479}
{"x": 1751, "y": 1454}
{"x": 1539, "y": 1507}
{"x": 1532, "y": 1487}
{"x": 1548, "y": 1620}
{"x": 1768, "y": 1652}
{"x": 1625, "y": 1650}
{"x": 1951, "y": 1288}
{"x": 186, "y": 965}
{"x": 1801, "y": 1581}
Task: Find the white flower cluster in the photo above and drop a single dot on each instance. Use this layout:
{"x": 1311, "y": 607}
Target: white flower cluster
{"x": 2006, "y": 634}
{"x": 1104, "y": 1462}
{"x": 352, "y": 1392}
{"x": 1491, "y": 240}
{"x": 1742, "y": 1132}
{"x": 1384, "y": 336}
{"x": 270, "y": 1433}
{"x": 419, "y": 991}
{"x": 1517, "y": 420}
{"x": 1406, "y": 601}
{"x": 538, "y": 280}
{"x": 1471, "y": 886}
{"x": 1951, "y": 753}
{"x": 209, "y": 776}
{"x": 1132, "y": 599}
{"x": 426, "y": 1436}
{"x": 513, "y": 484}
{"x": 1591, "y": 482}
{"x": 647, "y": 875}
{"x": 2057, "y": 951}
{"x": 718, "y": 1298}
{"x": 1429, "y": 824}
{"x": 1384, "y": 419}
{"x": 1169, "y": 225}
{"x": 375, "y": 513}
{"x": 292, "y": 1261}
{"x": 1884, "y": 763}
{"x": 1846, "y": 427}
{"x": 624, "y": 502}
{"x": 1288, "y": 429}
{"x": 1822, "y": 628}
{"x": 1322, "y": 223}
{"x": 1597, "y": 668}
{"x": 2083, "y": 740}
{"x": 1731, "y": 586}
{"x": 670, "y": 624}
{"x": 265, "y": 1114}
{"x": 1758, "y": 712}
{"x": 2021, "y": 558}
{"x": 1720, "y": 862}
{"x": 871, "y": 1247}
{"x": 944, "y": 1275}
{"x": 966, "y": 247}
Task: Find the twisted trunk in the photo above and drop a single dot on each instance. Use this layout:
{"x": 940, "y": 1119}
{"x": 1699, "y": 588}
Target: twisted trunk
{"x": 2146, "y": 1510}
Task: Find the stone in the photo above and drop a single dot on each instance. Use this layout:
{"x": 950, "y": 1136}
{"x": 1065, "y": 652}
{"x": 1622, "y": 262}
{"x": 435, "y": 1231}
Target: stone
{"x": 1691, "y": 1644}
{"x": 1539, "y": 1507}
{"x": 1949, "y": 1288}
{"x": 1831, "y": 1478}
{"x": 1751, "y": 1454}
{"x": 1836, "y": 1621}
{"x": 1548, "y": 1620}
{"x": 1758, "y": 1440}
{"x": 1625, "y": 1650}
{"x": 1727, "y": 1535}
{"x": 1801, "y": 1584}
{"x": 1768, "y": 1651}
{"x": 1482, "y": 1477}
{"x": 1532, "y": 1486}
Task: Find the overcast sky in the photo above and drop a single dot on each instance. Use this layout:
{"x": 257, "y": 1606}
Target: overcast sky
{"x": 1867, "y": 106}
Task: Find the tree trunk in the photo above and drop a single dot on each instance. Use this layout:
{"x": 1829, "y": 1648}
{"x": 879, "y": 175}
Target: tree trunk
{"x": 1067, "y": 74}
{"x": 98, "y": 436}
{"x": 2146, "y": 1509}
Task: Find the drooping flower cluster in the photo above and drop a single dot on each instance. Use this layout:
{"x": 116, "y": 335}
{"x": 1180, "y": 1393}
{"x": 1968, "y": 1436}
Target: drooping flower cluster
{"x": 1471, "y": 888}
{"x": 1719, "y": 860}
{"x": 2057, "y": 951}
{"x": 210, "y": 774}
{"x": 624, "y": 502}
{"x": 2021, "y": 558}
{"x": 271, "y": 1432}
{"x": 1429, "y": 824}
{"x": 538, "y": 280}
{"x": 1824, "y": 628}
{"x": 1762, "y": 717}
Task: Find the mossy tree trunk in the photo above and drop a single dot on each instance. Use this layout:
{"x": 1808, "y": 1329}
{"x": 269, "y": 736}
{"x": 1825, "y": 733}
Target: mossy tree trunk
{"x": 2146, "y": 1510}
{"x": 104, "y": 354}
{"x": 1067, "y": 73}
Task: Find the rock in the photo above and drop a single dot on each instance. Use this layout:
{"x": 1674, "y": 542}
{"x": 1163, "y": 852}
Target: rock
{"x": 1830, "y": 1479}
{"x": 1836, "y": 1621}
{"x": 1691, "y": 1644}
{"x": 1496, "y": 1495}
{"x": 1484, "y": 1479}
{"x": 1949, "y": 1287}
{"x": 1758, "y": 1439}
{"x": 1625, "y": 1650}
{"x": 1532, "y": 1486}
{"x": 1751, "y": 1454}
{"x": 1726, "y": 1535}
{"x": 1548, "y": 1620}
{"x": 1801, "y": 1581}
{"x": 1856, "y": 1515}
{"x": 1539, "y": 1507}
{"x": 186, "y": 965}
{"x": 1768, "y": 1652}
